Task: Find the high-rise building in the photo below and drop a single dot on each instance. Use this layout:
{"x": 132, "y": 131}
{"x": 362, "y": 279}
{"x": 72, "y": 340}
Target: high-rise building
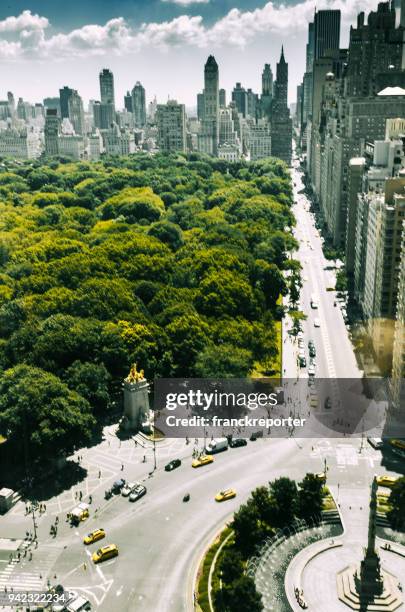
{"x": 267, "y": 92}
{"x": 106, "y": 79}
{"x": 222, "y": 98}
{"x": 104, "y": 115}
{"x": 64, "y": 96}
{"x": 51, "y": 132}
{"x": 171, "y": 124}
{"x": 209, "y": 135}
{"x": 375, "y": 52}
{"x": 200, "y": 106}
{"x": 259, "y": 141}
{"x": 227, "y": 131}
{"x": 52, "y": 103}
{"x": 398, "y": 353}
{"x": 139, "y": 105}
{"x": 281, "y": 123}
{"x": 76, "y": 112}
{"x": 239, "y": 96}
{"x": 326, "y": 32}
{"x": 128, "y": 102}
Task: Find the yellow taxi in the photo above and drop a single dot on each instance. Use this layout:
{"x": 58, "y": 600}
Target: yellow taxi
{"x": 94, "y": 536}
{"x": 224, "y": 495}
{"x": 105, "y": 552}
{"x": 203, "y": 460}
{"x": 386, "y": 481}
{"x": 313, "y": 401}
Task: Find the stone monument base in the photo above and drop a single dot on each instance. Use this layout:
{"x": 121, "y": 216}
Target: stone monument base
{"x": 390, "y": 599}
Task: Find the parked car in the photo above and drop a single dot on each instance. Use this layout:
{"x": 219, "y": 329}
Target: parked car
{"x": 302, "y": 361}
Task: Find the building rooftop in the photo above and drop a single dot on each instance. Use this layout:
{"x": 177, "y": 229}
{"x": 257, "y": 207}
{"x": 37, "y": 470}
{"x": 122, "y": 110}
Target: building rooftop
{"x": 392, "y": 91}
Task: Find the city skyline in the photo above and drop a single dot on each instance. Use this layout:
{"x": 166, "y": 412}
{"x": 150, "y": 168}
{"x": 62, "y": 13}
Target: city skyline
{"x": 35, "y": 42}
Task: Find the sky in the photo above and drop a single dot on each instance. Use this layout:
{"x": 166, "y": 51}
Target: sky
{"x": 46, "y": 44}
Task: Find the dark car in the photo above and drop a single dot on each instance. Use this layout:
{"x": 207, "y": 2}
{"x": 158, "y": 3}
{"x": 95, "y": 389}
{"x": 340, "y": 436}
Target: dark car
{"x": 173, "y": 465}
{"x": 117, "y": 486}
{"x": 302, "y": 361}
{"x": 312, "y": 351}
{"x": 138, "y": 492}
{"x": 328, "y": 403}
{"x": 238, "y": 442}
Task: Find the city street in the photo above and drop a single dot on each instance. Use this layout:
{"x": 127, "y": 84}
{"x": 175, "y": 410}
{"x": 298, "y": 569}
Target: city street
{"x": 161, "y": 538}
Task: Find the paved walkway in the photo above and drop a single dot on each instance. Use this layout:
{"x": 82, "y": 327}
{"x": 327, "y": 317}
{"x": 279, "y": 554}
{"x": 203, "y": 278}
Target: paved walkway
{"x": 314, "y": 570}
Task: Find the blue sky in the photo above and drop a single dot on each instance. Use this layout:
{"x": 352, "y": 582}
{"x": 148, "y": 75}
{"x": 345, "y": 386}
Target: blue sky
{"x": 46, "y": 44}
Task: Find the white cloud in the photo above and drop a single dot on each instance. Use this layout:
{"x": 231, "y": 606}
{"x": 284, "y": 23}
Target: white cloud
{"x": 236, "y": 28}
{"x": 187, "y": 2}
{"x": 25, "y": 21}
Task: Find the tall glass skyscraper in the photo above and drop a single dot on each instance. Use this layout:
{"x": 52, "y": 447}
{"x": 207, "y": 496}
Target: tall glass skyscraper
{"x": 107, "y": 87}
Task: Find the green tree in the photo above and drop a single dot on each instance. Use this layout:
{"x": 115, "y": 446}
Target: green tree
{"x": 231, "y": 565}
{"x": 240, "y": 596}
{"x": 310, "y": 497}
{"x": 40, "y": 414}
{"x": 223, "y": 361}
{"x": 91, "y": 381}
{"x": 284, "y": 498}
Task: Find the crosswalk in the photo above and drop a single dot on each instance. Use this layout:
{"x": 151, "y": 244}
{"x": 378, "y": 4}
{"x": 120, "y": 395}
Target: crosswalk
{"x": 17, "y": 575}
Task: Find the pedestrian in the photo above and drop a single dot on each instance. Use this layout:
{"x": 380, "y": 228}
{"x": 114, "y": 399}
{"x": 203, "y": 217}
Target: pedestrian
{"x": 30, "y": 557}
{"x": 44, "y": 507}
{"x": 90, "y": 499}
{"x": 26, "y": 535}
{"x": 56, "y": 520}
{"x": 80, "y": 495}
{"x": 84, "y": 566}
{"x": 122, "y": 467}
{"x": 99, "y": 473}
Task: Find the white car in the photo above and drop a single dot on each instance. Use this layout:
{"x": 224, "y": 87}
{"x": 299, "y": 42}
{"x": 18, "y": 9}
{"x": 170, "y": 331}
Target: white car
{"x": 311, "y": 370}
{"x": 317, "y": 322}
{"x": 127, "y": 488}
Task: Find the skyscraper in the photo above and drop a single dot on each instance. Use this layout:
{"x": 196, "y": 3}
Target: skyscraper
{"x": 107, "y": 95}
{"x": 281, "y": 123}
{"x": 326, "y": 32}
{"x": 75, "y": 112}
{"x": 375, "y": 53}
{"x": 171, "y": 124}
{"x": 239, "y": 96}
{"x": 267, "y": 91}
{"x": 222, "y": 98}
{"x": 128, "y": 102}
{"x": 139, "y": 105}
{"x": 64, "y": 95}
{"x": 200, "y": 106}
{"x": 267, "y": 81}
{"x": 51, "y": 132}
{"x": 209, "y": 136}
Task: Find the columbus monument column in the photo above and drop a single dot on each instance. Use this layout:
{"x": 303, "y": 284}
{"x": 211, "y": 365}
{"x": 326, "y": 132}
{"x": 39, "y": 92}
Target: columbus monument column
{"x": 137, "y": 414}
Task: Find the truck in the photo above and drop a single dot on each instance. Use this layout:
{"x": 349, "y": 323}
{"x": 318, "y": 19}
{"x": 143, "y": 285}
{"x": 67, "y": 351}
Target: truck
{"x": 217, "y": 445}
{"x": 80, "y": 513}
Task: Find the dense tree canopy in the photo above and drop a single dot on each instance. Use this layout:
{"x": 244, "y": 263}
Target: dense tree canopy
{"x": 175, "y": 262}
